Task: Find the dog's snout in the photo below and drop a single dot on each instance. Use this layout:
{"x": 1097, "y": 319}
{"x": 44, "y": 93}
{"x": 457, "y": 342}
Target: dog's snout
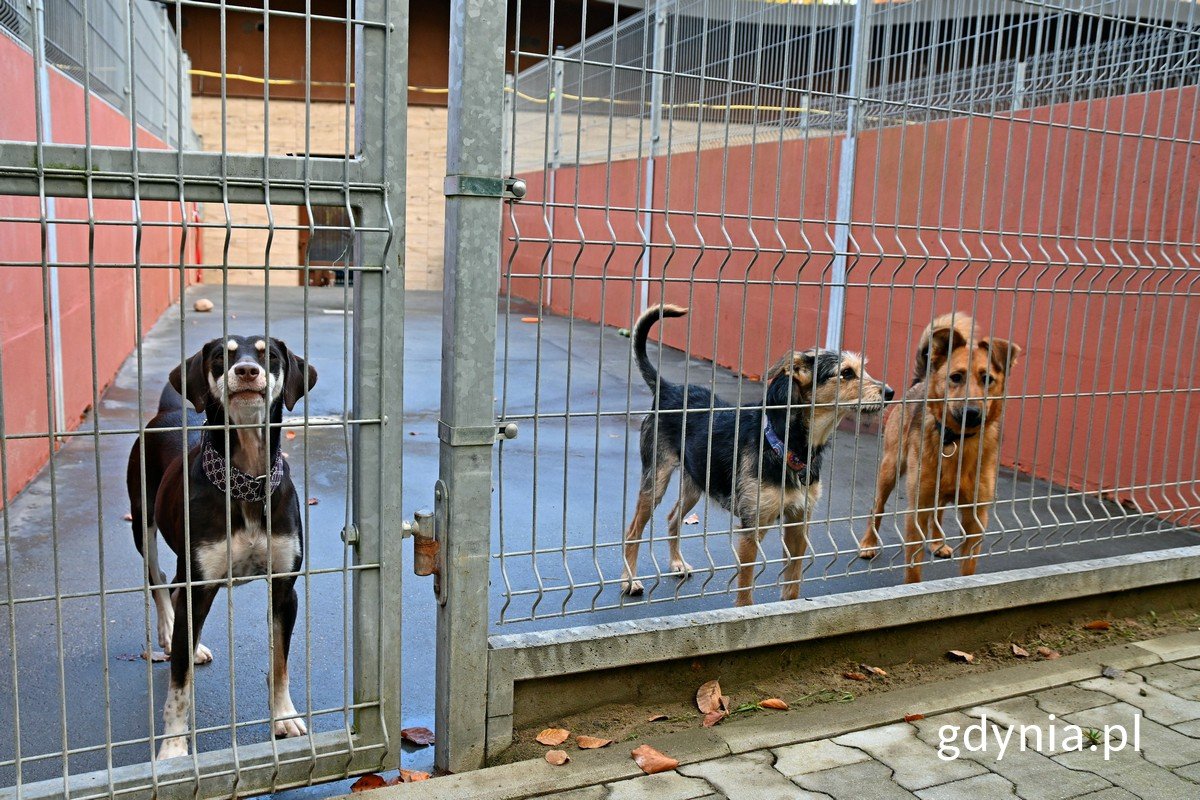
{"x": 247, "y": 371}
{"x": 972, "y": 415}
{"x": 888, "y": 392}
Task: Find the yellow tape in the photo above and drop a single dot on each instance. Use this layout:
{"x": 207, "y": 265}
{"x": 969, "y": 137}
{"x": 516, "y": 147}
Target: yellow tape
{"x": 204, "y": 73}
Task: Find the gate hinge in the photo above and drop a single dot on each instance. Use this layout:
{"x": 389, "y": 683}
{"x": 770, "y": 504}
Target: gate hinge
{"x": 475, "y": 435}
{"x": 428, "y": 530}
{"x": 480, "y": 186}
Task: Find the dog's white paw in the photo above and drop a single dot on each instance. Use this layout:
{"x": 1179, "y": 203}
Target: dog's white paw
{"x": 632, "y": 588}
{"x": 944, "y": 551}
{"x": 202, "y": 655}
{"x": 681, "y": 568}
{"x": 289, "y": 728}
{"x": 173, "y": 748}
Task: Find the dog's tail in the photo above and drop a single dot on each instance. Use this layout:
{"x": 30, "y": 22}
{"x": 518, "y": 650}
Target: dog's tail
{"x": 642, "y": 330}
{"x": 956, "y": 323}
{"x": 170, "y": 400}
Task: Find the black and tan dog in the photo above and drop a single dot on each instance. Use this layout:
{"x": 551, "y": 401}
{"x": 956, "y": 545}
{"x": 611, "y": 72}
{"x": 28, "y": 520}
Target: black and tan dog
{"x": 945, "y": 436}
{"x": 739, "y": 456}
{"x": 247, "y": 381}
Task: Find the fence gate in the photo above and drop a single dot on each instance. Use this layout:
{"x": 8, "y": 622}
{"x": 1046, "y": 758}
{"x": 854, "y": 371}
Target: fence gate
{"x": 97, "y": 239}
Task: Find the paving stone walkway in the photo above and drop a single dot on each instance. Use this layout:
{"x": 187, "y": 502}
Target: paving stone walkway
{"x": 1079, "y": 744}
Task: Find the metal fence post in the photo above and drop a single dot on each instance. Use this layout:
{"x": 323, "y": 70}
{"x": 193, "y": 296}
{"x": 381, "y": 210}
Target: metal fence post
{"x": 860, "y": 52}
{"x": 467, "y": 428}
{"x": 380, "y": 100}
{"x": 658, "y": 65}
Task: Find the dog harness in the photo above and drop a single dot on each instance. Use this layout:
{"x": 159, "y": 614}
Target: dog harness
{"x": 242, "y": 485}
{"x": 794, "y": 462}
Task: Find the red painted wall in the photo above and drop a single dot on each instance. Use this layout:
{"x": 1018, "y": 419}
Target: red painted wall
{"x": 22, "y": 297}
{"x": 1078, "y": 243}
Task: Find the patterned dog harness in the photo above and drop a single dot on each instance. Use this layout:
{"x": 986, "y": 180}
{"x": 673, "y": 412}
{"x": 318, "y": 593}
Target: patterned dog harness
{"x": 242, "y": 485}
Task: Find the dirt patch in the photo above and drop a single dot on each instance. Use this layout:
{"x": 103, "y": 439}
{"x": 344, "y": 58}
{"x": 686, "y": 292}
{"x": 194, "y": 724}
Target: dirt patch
{"x": 623, "y": 722}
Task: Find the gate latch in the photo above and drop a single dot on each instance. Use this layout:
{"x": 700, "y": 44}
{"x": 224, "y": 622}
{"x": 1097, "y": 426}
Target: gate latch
{"x": 483, "y": 186}
{"x": 427, "y": 529}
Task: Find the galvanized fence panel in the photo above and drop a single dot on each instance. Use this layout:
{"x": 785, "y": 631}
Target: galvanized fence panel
{"x": 840, "y": 175}
{"x": 101, "y": 238}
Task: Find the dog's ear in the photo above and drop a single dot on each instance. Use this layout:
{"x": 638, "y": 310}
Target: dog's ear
{"x": 797, "y": 367}
{"x": 197, "y": 377}
{"x": 1004, "y": 354}
{"x": 939, "y": 341}
{"x": 298, "y": 376}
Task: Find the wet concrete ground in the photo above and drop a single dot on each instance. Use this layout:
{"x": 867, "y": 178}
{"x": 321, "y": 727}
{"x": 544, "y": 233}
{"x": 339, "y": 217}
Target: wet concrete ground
{"x": 78, "y": 679}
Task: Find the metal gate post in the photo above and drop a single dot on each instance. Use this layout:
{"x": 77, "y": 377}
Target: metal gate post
{"x": 381, "y": 117}
{"x": 468, "y": 423}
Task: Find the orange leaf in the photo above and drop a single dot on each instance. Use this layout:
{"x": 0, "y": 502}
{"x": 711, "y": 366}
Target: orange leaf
{"x": 529, "y": 319}
{"x": 1048, "y": 654}
{"x": 913, "y": 717}
{"x": 553, "y": 737}
{"x": 290, "y": 434}
{"x": 591, "y": 742}
{"x": 708, "y": 697}
{"x": 557, "y": 757}
{"x": 656, "y": 718}
{"x": 713, "y": 717}
{"x": 1020, "y": 652}
{"x": 854, "y": 676}
{"x": 959, "y": 655}
{"x": 1097, "y": 625}
{"x": 726, "y": 703}
{"x": 417, "y": 736}
{"x": 775, "y": 703}
{"x": 876, "y": 671}
{"x": 408, "y": 776}
{"x": 651, "y": 761}
{"x": 367, "y": 782}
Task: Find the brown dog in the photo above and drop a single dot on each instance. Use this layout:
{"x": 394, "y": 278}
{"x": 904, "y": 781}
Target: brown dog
{"x": 945, "y": 436}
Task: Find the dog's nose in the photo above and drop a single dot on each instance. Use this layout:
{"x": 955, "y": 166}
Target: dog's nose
{"x": 972, "y": 416}
{"x": 888, "y": 392}
{"x": 247, "y": 371}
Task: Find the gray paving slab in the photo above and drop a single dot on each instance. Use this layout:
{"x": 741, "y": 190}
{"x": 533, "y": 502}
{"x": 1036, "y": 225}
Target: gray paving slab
{"x": 1159, "y": 744}
{"x": 1191, "y": 729}
{"x": 1130, "y": 771}
{"x": 1064, "y": 699}
{"x": 664, "y": 786}
{"x": 915, "y": 765}
{"x": 992, "y": 787}
{"x": 855, "y": 781}
{"x": 1115, "y": 793}
{"x": 1155, "y": 703}
{"x": 801, "y": 759}
{"x": 1035, "y": 776}
{"x": 1190, "y": 663}
{"x": 749, "y": 777}
{"x": 1173, "y": 678}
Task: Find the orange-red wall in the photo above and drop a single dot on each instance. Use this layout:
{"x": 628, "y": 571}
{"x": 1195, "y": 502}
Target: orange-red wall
{"x": 22, "y": 299}
{"x": 1079, "y": 243}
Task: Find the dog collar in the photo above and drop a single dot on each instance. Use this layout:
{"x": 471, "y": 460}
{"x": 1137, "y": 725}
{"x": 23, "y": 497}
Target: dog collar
{"x": 795, "y": 464}
{"x": 242, "y": 485}
{"x": 952, "y": 438}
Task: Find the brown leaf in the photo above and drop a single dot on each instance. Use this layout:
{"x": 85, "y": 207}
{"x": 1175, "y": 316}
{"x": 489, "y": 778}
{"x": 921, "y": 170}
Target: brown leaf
{"x": 529, "y": 319}
{"x": 726, "y": 703}
{"x": 1020, "y": 652}
{"x": 656, "y": 718}
{"x": 775, "y": 703}
{"x": 312, "y": 501}
{"x": 713, "y": 717}
{"x": 692, "y": 519}
{"x": 960, "y": 655}
{"x": 202, "y": 305}
{"x": 557, "y": 757}
{"x": 1047, "y": 653}
{"x": 591, "y": 742}
{"x": 854, "y": 676}
{"x": 367, "y": 782}
{"x": 913, "y": 717}
{"x": 553, "y": 737}
{"x": 128, "y": 517}
{"x": 708, "y": 697}
{"x": 408, "y": 776}
{"x": 1097, "y": 625}
{"x": 290, "y": 434}
{"x": 651, "y": 761}
{"x": 876, "y": 671}
{"x": 417, "y": 736}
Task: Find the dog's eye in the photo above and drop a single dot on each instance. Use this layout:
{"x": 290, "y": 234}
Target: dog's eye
{"x": 985, "y": 379}
{"x": 956, "y": 378}
{"x": 848, "y": 374}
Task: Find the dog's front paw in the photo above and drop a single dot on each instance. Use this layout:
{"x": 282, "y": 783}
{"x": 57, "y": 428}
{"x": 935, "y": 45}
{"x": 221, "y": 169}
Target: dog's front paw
{"x": 632, "y": 588}
{"x": 868, "y": 547}
{"x": 202, "y": 655}
{"x": 944, "y": 551}
{"x": 681, "y": 568}
{"x": 289, "y": 728}
{"x": 173, "y": 748}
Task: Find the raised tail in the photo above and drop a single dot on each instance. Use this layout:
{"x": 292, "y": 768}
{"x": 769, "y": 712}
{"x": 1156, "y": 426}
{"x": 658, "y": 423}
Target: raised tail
{"x": 942, "y": 335}
{"x": 642, "y": 330}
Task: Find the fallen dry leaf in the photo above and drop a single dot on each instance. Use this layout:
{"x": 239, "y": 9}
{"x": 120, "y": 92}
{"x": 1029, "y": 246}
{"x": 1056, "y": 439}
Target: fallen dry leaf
{"x": 959, "y": 655}
{"x": 708, "y": 697}
{"x": 408, "y": 776}
{"x": 1047, "y": 653}
{"x": 1020, "y": 652}
{"x": 591, "y": 742}
{"x": 692, "y": 519}
{"x": 854, "y": 676}
{"x": 876, "y": 671}
{"x": 290, "y": 434}
{"x": 312, "y": 501}
{"x": 726, "y": 703}
{"x": 367, "y": 782}
{"x": 417, "y": 736}
{"x": 775, "y": 703}
{"x": 557, "y": 757}
{"x": 713, "y": 717}
{"x": 656, "y": 718}
{"x": 553, "y": 737}
{"x": 529, "y": 319}
{"x": 913, "y": 717}
{"x": 1097, "y": 625}
{"x": 651, "y": 761}
{"x": 202, "y": 305}
{"x": 128, "y": 517}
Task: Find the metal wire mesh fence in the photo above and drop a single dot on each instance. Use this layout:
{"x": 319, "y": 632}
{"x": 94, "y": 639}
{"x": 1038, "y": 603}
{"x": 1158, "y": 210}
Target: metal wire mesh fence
{"x": 840, "y": 175}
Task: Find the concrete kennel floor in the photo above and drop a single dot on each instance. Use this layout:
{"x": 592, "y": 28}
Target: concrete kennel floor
{"x": 107, "y": 691}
